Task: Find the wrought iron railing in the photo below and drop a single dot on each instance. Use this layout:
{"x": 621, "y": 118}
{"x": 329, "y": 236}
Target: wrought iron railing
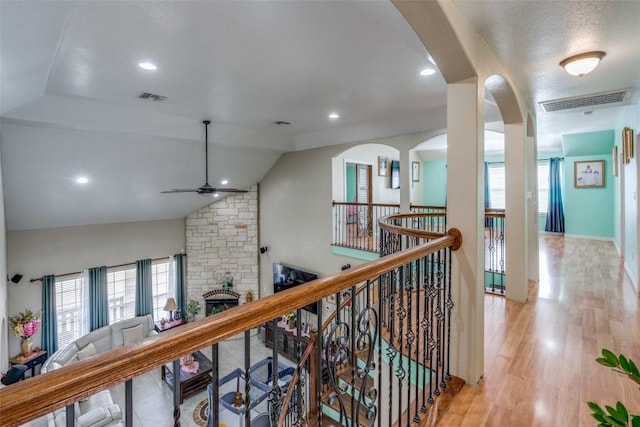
{"x": 381, "y": 359}
{"x": 494, "y": 252}
{"x": 355, "y": 224}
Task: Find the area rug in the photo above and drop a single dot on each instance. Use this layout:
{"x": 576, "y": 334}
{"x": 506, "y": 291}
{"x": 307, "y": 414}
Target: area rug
{"x": 201, "y": 413}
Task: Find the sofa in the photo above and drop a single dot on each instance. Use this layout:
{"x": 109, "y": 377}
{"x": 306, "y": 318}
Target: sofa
{"x": 99, "y": 409}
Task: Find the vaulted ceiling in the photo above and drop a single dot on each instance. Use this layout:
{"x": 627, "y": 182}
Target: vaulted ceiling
{"x": 70, "y": 85}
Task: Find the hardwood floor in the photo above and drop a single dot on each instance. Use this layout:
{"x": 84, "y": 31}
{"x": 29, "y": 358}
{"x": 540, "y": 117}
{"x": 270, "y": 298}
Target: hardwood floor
{"x": 540, "y": 367}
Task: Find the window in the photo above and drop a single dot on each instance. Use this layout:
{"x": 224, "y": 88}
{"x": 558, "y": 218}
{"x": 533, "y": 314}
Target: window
{"x": 121, "y": 291}
{"x": 497, "y": 185}
{"x": 543, "y": 186}
{"x": 70, "y": 318}
{"x": 160, "y": 286}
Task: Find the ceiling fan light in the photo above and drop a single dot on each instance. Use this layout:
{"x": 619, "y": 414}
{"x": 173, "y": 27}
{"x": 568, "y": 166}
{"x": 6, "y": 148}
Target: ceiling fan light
{"x": 584, "y": 63}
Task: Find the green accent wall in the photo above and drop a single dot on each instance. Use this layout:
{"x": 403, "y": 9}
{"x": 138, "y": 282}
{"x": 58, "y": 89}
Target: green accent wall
{"x": 434, "y": 175}
{"x": 351, "y": 182}
{"x": 589, "y": 211}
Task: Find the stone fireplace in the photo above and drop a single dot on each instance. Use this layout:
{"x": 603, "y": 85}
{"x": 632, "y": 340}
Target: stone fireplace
{"x": 219, "y": 300}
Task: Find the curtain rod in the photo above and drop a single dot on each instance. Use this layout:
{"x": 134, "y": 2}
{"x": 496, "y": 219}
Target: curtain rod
{"x": 39, "y": 279}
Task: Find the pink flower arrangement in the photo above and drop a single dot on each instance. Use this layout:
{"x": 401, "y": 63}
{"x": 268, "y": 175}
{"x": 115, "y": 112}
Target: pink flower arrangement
{"x": 26, "y": 324}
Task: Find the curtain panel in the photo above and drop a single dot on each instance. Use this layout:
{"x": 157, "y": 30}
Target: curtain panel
{"x": 555, "y": 210}
{"x": 144, "y": 290}
{"x": 488, "y": 222}
{"x": 49, "y": 315}
{"x": 179, "y": 280}
{"x": 98, "y": 298}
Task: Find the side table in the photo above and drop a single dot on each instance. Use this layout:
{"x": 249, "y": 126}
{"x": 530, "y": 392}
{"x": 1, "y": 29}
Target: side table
{"x": 31, "y": 361}
{"x": 161, "y": 328}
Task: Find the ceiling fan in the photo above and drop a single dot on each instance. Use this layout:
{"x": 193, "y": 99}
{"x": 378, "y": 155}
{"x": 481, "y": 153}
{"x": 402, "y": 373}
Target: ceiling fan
{"x": 206, "y": 188}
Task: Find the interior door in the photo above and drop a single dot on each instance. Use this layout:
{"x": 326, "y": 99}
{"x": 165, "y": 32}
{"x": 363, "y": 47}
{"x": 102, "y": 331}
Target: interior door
{"x": 364, "y": 196}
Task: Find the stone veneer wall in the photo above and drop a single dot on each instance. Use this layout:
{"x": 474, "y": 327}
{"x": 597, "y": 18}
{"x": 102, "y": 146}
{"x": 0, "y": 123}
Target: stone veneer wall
{"x": 223, "y": 236}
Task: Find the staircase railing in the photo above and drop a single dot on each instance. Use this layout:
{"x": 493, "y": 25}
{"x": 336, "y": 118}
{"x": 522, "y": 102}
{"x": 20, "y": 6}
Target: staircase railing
{"x": 384, "y": 349}
{"x": 405, "y": 327}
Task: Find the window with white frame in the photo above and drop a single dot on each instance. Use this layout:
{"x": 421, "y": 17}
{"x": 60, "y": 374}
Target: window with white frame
{"x": 70, "y": 317}
{"x": 160, "y": 285}
{"x": 543, "y": 186}
{"x": 121, "y": 291}
{"x": 497, "y": 185}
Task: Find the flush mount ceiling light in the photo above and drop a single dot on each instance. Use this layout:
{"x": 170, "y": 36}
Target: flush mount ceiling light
{"x": 584, "y": 63}
{"x": 224, "y": 182}
{"x": 82, "y": 180}
{"x": 334, "y": 116}
{"x": 427, "y": 72}
{"x": 147, "y": 66}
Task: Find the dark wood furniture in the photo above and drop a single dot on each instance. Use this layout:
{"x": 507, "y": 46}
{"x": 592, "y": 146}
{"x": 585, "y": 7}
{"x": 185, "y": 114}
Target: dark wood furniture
{"x": 161, "y": 328}
{"x": 31, "y": 361}
{"x": 286, "y": 344}
{"x": 190, "y": 383}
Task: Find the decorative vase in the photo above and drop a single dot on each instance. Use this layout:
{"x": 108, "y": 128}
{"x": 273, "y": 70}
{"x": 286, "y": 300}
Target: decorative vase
{"x": 26, "y": 345}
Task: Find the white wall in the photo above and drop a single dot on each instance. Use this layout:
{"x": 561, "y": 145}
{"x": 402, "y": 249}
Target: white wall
{"x": 35, "y": 253}
{"x": 4, "y": 323}
{"x": 366, "y": 154}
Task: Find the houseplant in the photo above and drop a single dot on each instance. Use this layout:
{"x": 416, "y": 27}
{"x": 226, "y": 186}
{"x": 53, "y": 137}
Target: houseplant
{"x": 193, "y": 309}
{"x": 618, "y": 416}
{"x": 24, "y": 326}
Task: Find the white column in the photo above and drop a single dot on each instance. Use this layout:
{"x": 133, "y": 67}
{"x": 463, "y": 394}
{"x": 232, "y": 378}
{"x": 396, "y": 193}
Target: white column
{"x": 531, "y": 158}
{"x": 465, "y": 211}
{"x": 516, "y": 229}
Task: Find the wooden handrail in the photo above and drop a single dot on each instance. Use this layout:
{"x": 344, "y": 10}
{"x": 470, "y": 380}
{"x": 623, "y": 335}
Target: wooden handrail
{"x": 397, "y": 229}
{"x": 383, "y": 205}
{"x": 37, "y": 396}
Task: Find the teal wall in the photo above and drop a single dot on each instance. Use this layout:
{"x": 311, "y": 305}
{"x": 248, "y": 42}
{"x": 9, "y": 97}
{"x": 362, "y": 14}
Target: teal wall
{"x": 588, "y": 211}
{"x": 434, "y": 175}
{"x": 351, "y": 182}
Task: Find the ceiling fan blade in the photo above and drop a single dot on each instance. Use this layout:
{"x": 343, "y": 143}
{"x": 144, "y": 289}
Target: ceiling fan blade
{"x": 181, "y": 190}
{"x": 230, "y": 190}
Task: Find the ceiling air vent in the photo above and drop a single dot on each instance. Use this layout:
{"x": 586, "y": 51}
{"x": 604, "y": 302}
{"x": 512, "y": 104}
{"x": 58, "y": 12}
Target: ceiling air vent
{"x": 152, "y": 96}
{"x": 606, "y": 99}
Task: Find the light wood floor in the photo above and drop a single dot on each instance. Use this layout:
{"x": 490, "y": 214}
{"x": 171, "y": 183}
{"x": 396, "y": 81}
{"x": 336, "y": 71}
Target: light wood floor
{"x": 540, "y": 367}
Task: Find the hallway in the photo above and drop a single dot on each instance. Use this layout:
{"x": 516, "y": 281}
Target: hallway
{"x": 540, "y": 367}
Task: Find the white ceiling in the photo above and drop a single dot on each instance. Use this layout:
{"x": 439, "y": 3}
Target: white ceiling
{"x": 70, "y": 85}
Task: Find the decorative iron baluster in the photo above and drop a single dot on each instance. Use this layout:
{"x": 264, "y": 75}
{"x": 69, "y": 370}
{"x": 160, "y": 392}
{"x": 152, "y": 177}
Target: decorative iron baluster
{"x": 368, "y": 330}
{"x": 450, "y": 306}
{"x": 275, "y": 392}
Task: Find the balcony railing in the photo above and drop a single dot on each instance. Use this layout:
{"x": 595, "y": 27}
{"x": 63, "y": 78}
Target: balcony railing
{"x": 355, "y": 224}
{"x": 381, "y": 358}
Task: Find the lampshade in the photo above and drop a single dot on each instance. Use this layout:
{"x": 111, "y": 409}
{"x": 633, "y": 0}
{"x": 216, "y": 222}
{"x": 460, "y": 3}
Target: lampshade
{"x": 170, "y": 305}
{"x": 584, "y": 63}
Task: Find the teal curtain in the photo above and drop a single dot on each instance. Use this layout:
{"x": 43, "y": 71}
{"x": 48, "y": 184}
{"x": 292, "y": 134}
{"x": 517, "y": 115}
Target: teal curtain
{"x": 144, "y": 290}
{"x": 49, "y": 321}
{"x": 180, "y": 294}
{"x": 98, "y": 298}
{"x": 488, "y": 222}
{"x": 555, "y": 211}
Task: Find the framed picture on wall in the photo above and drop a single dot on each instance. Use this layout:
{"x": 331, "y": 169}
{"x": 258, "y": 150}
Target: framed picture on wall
{"x": 383, "y": 166}
{"x": 588, "y": 174}
{"x": 415, "y": 171}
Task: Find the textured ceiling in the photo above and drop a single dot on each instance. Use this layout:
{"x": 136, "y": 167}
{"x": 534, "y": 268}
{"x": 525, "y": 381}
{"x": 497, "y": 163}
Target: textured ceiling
{"x": 69, "y": 84}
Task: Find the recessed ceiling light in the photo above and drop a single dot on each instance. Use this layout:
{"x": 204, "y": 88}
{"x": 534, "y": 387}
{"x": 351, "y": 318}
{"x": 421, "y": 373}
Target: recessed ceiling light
{"x": 82, "y": 180}
{"x": 224, "y": 182}
{"x": 334, "y": 116}
{"x": 427, "y": 72}
{"x": 147, "y": 66}
{"x": 216, "y": 195}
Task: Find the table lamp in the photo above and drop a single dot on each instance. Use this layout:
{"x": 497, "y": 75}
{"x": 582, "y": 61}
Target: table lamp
{"x": 170, "y": 306}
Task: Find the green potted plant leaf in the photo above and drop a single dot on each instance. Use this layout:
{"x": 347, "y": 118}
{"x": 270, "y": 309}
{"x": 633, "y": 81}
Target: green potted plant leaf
{"x": 618, "y": 416}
